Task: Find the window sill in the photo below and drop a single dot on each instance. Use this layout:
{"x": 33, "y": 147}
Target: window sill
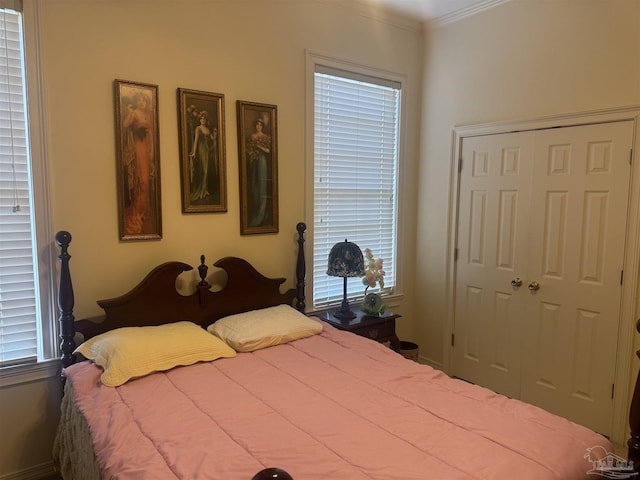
{"x": 31, "y": 372}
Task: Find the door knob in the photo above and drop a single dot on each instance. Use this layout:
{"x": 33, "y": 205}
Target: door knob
{"x": 516, "y": 282}
{"x": 533, "y": 286}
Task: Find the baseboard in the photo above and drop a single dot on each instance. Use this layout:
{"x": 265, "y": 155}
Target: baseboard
{"x": 37, "y": 472}
{"x": 430, "y": 362}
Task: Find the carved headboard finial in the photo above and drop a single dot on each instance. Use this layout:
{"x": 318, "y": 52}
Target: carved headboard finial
{"x": 202, "y": 271}
{"x": 203, "y": 285}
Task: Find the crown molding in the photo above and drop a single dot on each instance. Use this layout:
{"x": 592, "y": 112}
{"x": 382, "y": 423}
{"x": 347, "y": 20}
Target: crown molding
{"x": 465, "y": 12}
{"x": 384, "y": 12}
{"x": 379, "y": 12}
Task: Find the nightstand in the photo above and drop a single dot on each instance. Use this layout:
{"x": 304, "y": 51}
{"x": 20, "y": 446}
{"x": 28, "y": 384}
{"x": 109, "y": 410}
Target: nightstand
{"x": 381, "y": 328}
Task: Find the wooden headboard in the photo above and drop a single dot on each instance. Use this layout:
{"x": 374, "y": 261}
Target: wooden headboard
{"x": 155, "y": 300}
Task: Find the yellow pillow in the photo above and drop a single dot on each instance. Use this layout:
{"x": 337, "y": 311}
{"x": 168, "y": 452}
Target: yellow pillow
{"x": 249, "y": 331}
{"x": 131, "y": 352}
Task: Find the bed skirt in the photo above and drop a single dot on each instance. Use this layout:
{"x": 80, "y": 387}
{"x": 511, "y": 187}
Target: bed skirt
{"x": 73, "y": 453}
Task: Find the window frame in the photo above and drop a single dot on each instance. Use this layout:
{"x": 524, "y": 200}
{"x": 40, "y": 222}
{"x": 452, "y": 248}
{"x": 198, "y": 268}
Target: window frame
{"x": 314, "y": 61}
{"x": 47, "y": 364}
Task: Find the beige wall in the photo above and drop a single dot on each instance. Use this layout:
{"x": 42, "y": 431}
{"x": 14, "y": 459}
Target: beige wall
{"x": 525, "y": 59}
{"x": 248, "y": 50}
{"x": 28, "y": 419}
{"x": 251, "y": 50}
{"x": 521, "y": 60}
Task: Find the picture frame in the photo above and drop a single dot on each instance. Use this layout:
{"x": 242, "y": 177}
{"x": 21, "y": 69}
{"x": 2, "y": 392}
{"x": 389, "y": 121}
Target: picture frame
{"x": 137, "y": 160}
{"x": 258, "y": 167}
{"x": 202, "y": 151}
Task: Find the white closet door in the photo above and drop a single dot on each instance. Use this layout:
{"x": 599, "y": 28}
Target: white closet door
{"x": 578, "y": 214}
{"x": 547, "y": 207}
{"x": 495, "y": 190}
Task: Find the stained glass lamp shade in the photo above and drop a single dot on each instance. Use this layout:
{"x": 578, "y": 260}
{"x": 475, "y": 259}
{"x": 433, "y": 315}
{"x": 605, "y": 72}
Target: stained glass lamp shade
{"x": 345, "y": 260}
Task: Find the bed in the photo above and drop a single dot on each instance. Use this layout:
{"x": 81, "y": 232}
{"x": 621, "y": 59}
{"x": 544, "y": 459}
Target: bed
{"x": 305, "y": 401}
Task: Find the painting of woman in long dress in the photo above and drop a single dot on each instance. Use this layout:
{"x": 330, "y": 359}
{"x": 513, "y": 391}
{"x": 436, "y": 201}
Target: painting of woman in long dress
{"x": 138, "y": 162}
{"x": 202, "y": 153}
{"x": 257, "y": 146}
{"x": 258, "y": 151}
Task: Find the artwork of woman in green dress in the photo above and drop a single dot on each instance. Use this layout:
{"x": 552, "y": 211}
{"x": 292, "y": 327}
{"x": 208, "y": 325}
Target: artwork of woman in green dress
{"x": 204, "y": 158}
{"x": 258, "y": 156}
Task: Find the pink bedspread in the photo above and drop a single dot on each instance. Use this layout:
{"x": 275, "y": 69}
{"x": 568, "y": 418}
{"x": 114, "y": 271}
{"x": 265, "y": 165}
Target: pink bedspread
{"x": 333, "y": 406}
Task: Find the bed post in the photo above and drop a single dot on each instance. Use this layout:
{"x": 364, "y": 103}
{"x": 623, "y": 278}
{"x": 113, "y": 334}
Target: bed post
{"x": 300, "y": 269}
{"x": 65, "y": 304}
{"x": 634, "y": 420}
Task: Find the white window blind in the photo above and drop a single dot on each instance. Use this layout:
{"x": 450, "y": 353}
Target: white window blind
{"x": 356, "y": 131}
{"x": 19, "y": 315}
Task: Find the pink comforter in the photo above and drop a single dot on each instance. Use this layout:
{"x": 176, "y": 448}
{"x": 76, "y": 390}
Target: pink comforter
{"x": 332, "y": 406}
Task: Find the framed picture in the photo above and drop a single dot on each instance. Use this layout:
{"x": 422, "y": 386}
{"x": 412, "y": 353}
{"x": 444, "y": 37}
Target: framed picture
{"x": 202, "y": 151}
{"x": 137, "y": 160}
{"x": 258, "y": 158}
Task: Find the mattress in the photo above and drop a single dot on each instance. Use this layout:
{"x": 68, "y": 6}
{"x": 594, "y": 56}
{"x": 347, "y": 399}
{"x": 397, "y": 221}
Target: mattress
{"x": 333, "y": 405}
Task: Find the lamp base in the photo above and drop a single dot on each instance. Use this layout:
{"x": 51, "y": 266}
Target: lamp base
{"x": 345, "y": 312}
{"x": 344, "y": 315}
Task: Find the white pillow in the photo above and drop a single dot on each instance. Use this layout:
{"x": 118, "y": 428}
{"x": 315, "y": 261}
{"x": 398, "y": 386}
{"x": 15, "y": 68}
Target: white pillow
{"x": 249, "y": 331}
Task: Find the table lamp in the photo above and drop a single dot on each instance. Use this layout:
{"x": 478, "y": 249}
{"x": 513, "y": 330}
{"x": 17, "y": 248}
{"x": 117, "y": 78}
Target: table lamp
{"x": 345, "y": 260}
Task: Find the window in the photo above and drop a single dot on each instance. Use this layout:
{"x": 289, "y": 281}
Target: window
{"x": 356, "y": 120}
{"x": 26, "y": 316}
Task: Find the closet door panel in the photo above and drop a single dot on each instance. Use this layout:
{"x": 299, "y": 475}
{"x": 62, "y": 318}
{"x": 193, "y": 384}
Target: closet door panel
{"x": 492, "y": 253}
{"x": 577, "y": 245}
